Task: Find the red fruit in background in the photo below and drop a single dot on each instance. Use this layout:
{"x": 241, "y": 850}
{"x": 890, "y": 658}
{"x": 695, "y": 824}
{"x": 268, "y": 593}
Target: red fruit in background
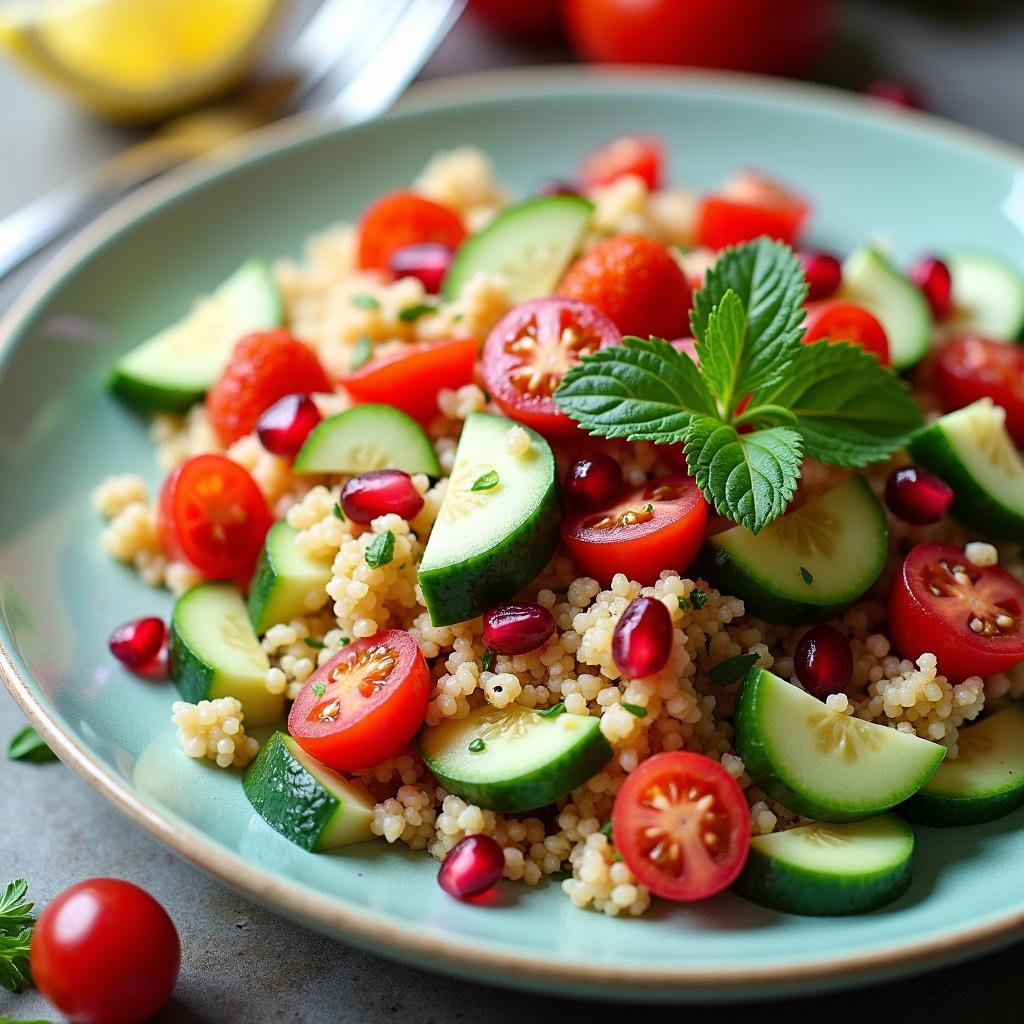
{"x": 642, "y": 156}
{"x": 747, "y": 206}
{"x": 519, "y": 18}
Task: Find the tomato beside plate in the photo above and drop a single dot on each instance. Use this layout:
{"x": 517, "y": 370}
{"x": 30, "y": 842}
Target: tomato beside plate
{"x": 398, "y": 219}
{"x": 846, "y": 321}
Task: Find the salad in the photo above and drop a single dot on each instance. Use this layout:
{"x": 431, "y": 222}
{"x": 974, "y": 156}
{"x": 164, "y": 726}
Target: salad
{"x": 611, "y": 536}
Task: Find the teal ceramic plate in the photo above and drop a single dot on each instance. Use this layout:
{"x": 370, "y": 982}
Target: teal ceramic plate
{"x": 915, "y": 182}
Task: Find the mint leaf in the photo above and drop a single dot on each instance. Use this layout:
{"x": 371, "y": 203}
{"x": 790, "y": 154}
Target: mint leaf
{"x": 732, "y": 669}
{"x": 640, "y": 390}
{"x": 16, "y": 923}
{"x": 381, "y": 551}
{"x": 486, "y": 481}
{"x": 849, "y": 409}
{"x": 721, "y": 350}
{"x": 769, "y": 282}
{"x": 748, "y": 477}
{"x": 28, "y": 745}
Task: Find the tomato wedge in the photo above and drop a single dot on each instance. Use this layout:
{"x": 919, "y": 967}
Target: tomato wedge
{"x": 365, "y": 704}
{"x": 399, "y": 219}
{"x": 530, "y": 349}
{"x": 681, "y": 823}
{"x": 846, "y": 321}
{"x": 639, "y": 155}
{"x": 659, "y": 525}
{"x": 749, "y": 206}
{"x": 212, "y": 515}
{"x": 969, "y": 617}
{"x": 410, "y": 378}
{"x": 969, "y": 368}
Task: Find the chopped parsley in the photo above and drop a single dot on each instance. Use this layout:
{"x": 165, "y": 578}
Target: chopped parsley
{"x": 337, "y": 512}
{"x": 732, "y": 669}
{"x": 315, "y": 642}
{"x": 319, "y": 689}
{"x": 684, "y": 604}
{"x": 698, "y": 597}
{"x": 361, "y": 354}
{"x": 554, "y": 711}
{"x": 381, "y": 551}
{"x": 412, "y": 313}
{"x": 364, "y": 301}
{"x": 485, "y": 482}
{"x": 488, "y": 661}
{"x": 635, "y": 709}
{"x": 805, "y": 575}
{"x": 477, "y": 746}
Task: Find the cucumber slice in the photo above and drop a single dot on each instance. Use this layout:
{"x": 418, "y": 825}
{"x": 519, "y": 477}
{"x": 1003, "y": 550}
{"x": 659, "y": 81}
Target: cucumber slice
{"x": 822, "y": 763}
{"x": 283, "y": 580}
{"x": 988, "y": 297}
{"x": 307, "y": 803}
{"x": 487, "y": 544}
{"x": 530, "y": 245}
{"x": 985, "y": 782}
{"x": 972, "y": 452}
{"x": 368, "y": 437}
{"x": 215, "y": 653}
{"x": 176, "y": 366}
{"x": 806, "y": 565}
{"x": 873, "y": 281}
{"x": 527, "y": 760}
{"x": 825, "y": 870}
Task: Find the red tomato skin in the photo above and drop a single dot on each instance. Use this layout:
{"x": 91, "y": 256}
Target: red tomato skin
{"x": 264, "y": 367}
{"x": 723, "y": 221}
{"x": 838, "y": 320}
{"x": 402, "y": 218}
{"x": 519, "y": 18}
{"x": 670, "y": 541}
{"x": 105, "y": 952}
{"x": 640, "y": 155}
{"x": 917, "y": 625}
{"x": 410, "y": 379}
{"x": 681, "y": 765}
{"x": 635, "y": 282}
{"x": 382, "y": 725}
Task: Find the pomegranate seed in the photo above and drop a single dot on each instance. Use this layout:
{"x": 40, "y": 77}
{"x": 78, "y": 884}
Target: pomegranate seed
{"x": 377, "y": 493}
{"x": 917, "y": 496}
{"x": 428, "y": 262}
{"x": 899, "y": 94}
{"x": 642, "y": 640}
{"x": 593, "y": 480}
{"x": 284, "y": 427}
{"x": 824, "y": 273}
{"x": 932, "y": 276}
{"x": 517, "y": 628}
{"x": 554, "y": 187}
{"x": 823, "y": 661}
{"x": 473, "y": 865}
{"x": 138, "y": 644}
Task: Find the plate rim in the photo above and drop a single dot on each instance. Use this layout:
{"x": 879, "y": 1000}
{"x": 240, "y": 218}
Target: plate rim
{"x": 363, "y": 926}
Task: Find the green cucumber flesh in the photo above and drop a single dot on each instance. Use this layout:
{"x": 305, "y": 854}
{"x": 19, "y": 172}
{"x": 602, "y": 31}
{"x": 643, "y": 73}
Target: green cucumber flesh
{"x": 284, "y": 580}
{"x": 489, "y": 544}
{"x": 985, "y": 782}
{"x": 808, "y": 564}
{"x": 822, "y": 763}
{"x": 314, "y": 807}
{"x": 175, "y": 367}
{"x": 368, "y": 437}
{"x": 873, "y": 281}
{"x": 214, "y": 652}
{"x": 988, "y": 297}
{"x": 526, "y": 760}
{"x": 972, "y": 452}
{"x": 530, "y": 245}
{"x": 828, "y": 870}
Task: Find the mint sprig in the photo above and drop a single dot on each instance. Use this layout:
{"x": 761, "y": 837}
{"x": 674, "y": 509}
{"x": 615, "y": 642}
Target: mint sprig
{"x": 16, "y": 923}
{"x": 759, "y": 401}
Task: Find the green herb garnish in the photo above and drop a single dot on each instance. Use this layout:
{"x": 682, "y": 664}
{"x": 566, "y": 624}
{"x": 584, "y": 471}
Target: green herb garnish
{"x": 315, "y": 643}
{"x": 485, "y": 482}
{"x": 361, "y": 354}
{"x": 488, "y": 661}
{"x": 554, "y": 711}
{"x": 560, "y": 875}
{"x": 805, "y": 575}
{"x": 732, "y": 669}
{"x": 28, "y": 745}
{"x": 684, "y": 604}
{"x": 337, "y": 512}
{"x": 721, "y": 557}
{"x": 16, "y": 923}
{"x": 606, "y": 830}
{"x": 343, "y": 641}
{"x": 635, "y": 709}
{"x": 648, "y": 507}
{"x": 411, "y": 313}
{"x": 477, "y": 746}
{"x": 381, "y": 551}
{"x": 698, "y": 597}
{"x": 319, "y": 689}
{"x": 364, "y": 301}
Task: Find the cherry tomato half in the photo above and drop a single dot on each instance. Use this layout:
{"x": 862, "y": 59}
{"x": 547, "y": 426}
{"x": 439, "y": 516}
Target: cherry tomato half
{"x": 970, "y": 368}
{"x": 846, "y": 321}
{"x": 681, "y": 823}
{"x": 365, "y": 704}
{"x": 212, "y": 515}
{"x": 530, "y": 349}
{"x": 410, "y": 378}
{"x": 659, "y": 525}
{"x": 639, "y": 155}
{"x": 749, "y": 206}
{"x": 969, "y": 617}
{"x": 399, "y": 219}
{"x": 105, "y": 952}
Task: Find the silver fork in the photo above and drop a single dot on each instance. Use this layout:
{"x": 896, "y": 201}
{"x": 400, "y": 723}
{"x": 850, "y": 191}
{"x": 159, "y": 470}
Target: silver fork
{"x": 354, "y": 58}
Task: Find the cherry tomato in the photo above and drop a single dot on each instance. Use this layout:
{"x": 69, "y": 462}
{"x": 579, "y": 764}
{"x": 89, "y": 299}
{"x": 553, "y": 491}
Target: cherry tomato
{"x": 530, "y": 349}
{"x": 105, "y": 952}
{"x": 970, "y": 368}
{"x": 263, "y": 368}
{"x": 659, "y": 525}
{"x": 410, "y": 378}
{"x": 746, "y": 35}
{"x": 399, "y": 219}
{"x": 969, "y": 617}
{"x": 635, "y": 282}
{"x": 365, "y": 704}
{"x": 212, "y": 515}
{"x": 680, "y": 822}
{"x": 639, "y": 155}
{"x": 846, "y": 321}
{"x": 749, "y": 206}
